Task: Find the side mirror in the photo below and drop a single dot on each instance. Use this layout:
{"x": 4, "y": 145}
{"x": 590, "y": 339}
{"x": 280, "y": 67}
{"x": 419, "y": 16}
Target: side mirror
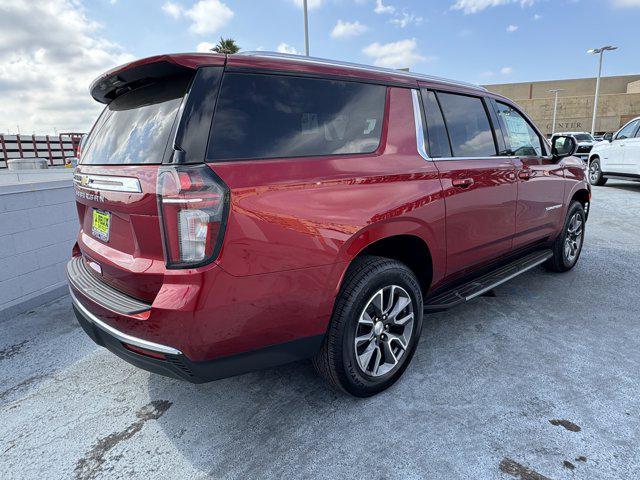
{"x": 563, "y": 146}
{"x": 608, "y": 137}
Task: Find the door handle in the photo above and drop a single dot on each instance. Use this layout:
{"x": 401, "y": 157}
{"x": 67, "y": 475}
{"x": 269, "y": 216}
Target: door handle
{"x": 462, "y": 182}
{"x": 524, "y": 174}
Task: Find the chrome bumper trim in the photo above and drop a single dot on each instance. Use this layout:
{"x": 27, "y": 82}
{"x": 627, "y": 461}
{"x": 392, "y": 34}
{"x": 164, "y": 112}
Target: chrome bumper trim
{"x": 123, "y": 337}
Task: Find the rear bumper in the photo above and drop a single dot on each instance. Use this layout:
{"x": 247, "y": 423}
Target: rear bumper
{"x": 151, "y": 348}
{"x": 176, "y": 365}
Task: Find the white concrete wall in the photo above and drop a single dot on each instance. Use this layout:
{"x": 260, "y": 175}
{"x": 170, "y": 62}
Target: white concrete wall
{"x": 38, "y": 226}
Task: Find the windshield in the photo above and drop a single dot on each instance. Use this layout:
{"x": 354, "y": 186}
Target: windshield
{"x": 583, "y": 137}
{"x": 135, "y": 127}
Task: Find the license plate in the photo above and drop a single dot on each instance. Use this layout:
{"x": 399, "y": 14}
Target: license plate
{"x": 100, "y": 224}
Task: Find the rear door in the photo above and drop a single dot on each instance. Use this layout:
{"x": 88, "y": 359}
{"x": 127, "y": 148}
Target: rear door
{"x": 540, "y": 178}
{"x": 479, "y": 184}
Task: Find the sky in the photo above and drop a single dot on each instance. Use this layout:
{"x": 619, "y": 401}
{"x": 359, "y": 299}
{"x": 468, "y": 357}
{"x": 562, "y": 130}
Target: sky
{"x": 51, "y": 50}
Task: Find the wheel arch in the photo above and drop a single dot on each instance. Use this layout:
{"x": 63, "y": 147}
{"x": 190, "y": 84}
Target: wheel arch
{"x": 410, "y": 249}
{"x": 583, "y": 196}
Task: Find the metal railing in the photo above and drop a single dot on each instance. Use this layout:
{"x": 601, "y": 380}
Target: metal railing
{"x": 55, "y": 148}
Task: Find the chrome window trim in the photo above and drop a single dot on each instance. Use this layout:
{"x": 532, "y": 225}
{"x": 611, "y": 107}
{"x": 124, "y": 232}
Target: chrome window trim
{"x": 107, "y": 183}
{"x": 123, "y": 337}
{"x": 495, "y": 157}
{"x": 417, "y": 120}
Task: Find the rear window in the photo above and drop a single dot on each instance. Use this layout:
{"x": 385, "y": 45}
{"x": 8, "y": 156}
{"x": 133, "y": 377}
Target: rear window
{"x": 437, "y": 131}
{"x": 468, "y": 125}
{"x": 269, "y": 116}
{"x": 135, "y": 127}
{"x": 583, "y": 137}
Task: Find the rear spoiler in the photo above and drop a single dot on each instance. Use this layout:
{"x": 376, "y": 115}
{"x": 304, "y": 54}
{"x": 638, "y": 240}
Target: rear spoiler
{"x": 126, "y": 77}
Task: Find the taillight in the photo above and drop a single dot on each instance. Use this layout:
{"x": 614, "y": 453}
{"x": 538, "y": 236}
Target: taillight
{"x": 193, "y": 203}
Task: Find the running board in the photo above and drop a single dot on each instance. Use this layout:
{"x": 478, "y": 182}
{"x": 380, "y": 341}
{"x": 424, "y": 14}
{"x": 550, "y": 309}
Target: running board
{"x": 485, "y": 283}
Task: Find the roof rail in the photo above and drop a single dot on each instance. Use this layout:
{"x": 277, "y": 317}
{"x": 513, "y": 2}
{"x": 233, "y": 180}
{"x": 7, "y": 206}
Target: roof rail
{"x": 358, "y": 66}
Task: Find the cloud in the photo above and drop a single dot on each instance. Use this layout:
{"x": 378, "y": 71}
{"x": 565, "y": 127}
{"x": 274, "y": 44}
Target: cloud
{"x": 50, "y": 52}
{"x": 172, "y": 9}
{"x": 475, "y": 6}
{"x": 503, "y": 71}
{"x": 626, "y": 3}
{"x": 399, "y": 54}
{"x": 205, "y": 47}
{"x": 348, "y": 29}
{"x": 537, "y": 16}
{"x": 512, "y": 28}
{"x": 286, "y": 48}
{"x": 208, "y": 16}
{"x": 311, "y": 4}
{"x": 406, "y": 19}
{"x": 383, "y": 9}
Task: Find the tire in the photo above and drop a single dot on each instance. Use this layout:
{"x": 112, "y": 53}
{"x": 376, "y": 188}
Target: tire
{"x": 595, "y": 173}
{"x": 369, "y": 283}
{"x": 568, "y": 246}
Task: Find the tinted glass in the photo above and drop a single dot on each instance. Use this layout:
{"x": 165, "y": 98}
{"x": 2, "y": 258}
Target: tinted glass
{"x": 583, "y": 137}
{"x": 468, "y": 126}
{"x": 627, "y": 131}
{"x": 135, "y": 127}
{"x": 523, "y": 139}
{"x": 268, "y": 116}
{"x": 436, "y": 129}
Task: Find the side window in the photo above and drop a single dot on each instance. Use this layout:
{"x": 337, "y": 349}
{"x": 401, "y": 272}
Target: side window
{"x": 627, "y": 131}
{"x": 436, "y": 130}
{"x": 468, "y": 125}
{"x": 523, "y": 139}
{"x": 270, "y": 116}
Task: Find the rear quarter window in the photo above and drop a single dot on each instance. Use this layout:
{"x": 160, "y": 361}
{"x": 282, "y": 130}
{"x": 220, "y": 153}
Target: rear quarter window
{"x": 271, "y": 116}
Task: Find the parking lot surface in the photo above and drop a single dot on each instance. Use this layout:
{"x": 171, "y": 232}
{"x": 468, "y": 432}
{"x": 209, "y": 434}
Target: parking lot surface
{"x": 540, "y": 381}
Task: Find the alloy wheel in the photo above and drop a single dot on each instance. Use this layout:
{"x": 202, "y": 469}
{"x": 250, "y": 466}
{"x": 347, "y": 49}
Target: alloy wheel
{"x": 384, "y": 330}
{"x": 594, "y": 172}
{"x": 573, "y": 240}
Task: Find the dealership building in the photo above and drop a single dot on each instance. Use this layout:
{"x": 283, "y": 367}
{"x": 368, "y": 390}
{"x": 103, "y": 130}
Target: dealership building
{"x": 619, "y": 102}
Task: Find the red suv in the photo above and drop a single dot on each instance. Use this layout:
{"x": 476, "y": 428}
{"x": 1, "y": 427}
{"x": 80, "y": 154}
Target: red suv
{"x": 239, "y": 212}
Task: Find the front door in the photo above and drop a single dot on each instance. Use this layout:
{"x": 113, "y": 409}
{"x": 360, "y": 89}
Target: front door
{"x": 632, "y": 153}
{"x": 540, "y": 179}
{"x": 617, "y": 160}
{"x": 479, "y": 186}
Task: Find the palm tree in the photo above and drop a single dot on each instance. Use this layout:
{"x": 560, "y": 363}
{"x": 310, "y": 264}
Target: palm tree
{"x": 227, "y": 46}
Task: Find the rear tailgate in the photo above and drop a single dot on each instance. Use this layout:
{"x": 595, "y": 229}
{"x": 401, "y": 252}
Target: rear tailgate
{"x": 130, "y": 256}
{"x": 115, "y": 183}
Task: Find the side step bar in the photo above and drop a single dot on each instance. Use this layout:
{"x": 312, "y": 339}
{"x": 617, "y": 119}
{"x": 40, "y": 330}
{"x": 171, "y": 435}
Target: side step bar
{"x": 484, "y": 283}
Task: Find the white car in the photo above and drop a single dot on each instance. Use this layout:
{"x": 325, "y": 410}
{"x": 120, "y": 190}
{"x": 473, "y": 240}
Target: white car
{"x": 618, "y": 156}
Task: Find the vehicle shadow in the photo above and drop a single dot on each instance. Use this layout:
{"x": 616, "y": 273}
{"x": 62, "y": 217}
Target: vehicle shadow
{"x": 628, "y": 186}
{"x": 245, "y": 426}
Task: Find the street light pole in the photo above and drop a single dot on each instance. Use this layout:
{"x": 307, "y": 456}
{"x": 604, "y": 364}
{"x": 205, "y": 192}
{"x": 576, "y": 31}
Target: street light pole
{"x": 598, "y": 51}
{"x": 306, "y": 28}
{"x": 555, "y": 108}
